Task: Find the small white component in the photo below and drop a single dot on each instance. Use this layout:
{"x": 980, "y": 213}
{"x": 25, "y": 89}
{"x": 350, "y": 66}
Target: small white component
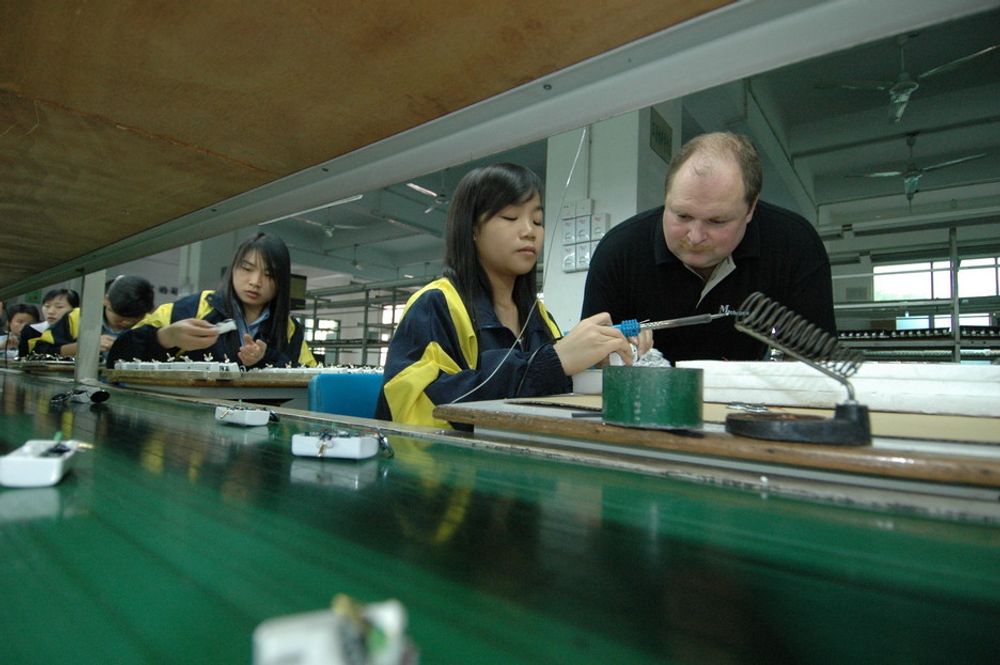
{"x": 588, "y": 382}
{"x": 352, "y": 633}
{"x": 241, "y": 415}
{"x": 339, "y": 445}
{"x": 225, "y": 326}
{"x": 38, "y": 463}
{"x": 178, "y": 366}
{"x": 311, "y": 638}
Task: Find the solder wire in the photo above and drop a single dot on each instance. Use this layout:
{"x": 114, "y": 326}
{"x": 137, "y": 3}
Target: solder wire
{"x": 548, "y": 256}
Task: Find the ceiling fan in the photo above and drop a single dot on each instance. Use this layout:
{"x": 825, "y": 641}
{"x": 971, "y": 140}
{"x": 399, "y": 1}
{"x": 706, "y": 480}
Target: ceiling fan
{"x": 905, "y": 85}
{"x": 328, "y": 229}
{"x": 912, "y": 173}
{"x": 439, "y": 200}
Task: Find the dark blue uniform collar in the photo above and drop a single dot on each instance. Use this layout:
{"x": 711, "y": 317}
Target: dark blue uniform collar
{"x": 487, "y": 319}
{"x": 486, "y": 316}
{"x": 216, "y": 300}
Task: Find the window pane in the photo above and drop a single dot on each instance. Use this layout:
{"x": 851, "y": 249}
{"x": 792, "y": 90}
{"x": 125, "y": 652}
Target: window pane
{"x": 989, "y": 261}
{"x": 911, "y": 322}
{"x": 392, "y": 313}
{"x": 942, "y": 283}
{"x": 977, "y": 282}
{"x": 903, "y": 287}
{"x": 944, "y": 320}
{"x": 902, "y": 267}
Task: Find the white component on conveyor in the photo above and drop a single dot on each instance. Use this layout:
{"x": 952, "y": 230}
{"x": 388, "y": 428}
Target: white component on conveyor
{"x": 241, "y": 415}
{"x": 340, "y": 445}
{"x": 38, "y": 463}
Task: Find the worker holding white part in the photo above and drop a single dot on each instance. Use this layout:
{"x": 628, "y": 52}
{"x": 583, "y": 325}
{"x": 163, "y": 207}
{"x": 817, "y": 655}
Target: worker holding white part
{"x": 254, "y": 294}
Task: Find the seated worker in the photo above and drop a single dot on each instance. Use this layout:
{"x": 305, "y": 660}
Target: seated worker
{"x": 55, "y": 304}
{"x": 126, "y": 300}
{"x": 480, "y": 332}
{"x": 255, "y": 293}
{"x": 711, "y": 244}
{"x": 19, "y": 316}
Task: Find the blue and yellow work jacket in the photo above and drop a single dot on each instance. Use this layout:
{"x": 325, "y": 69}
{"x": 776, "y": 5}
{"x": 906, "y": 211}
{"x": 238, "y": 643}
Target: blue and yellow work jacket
{"x": 64, "y": 331}
{"x": 140, "y": 342}
{"x": 29, "y": 338}
{"x": 437, "y": 356}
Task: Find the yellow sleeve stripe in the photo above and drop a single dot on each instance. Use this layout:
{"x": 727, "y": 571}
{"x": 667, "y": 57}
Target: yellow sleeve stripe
{"x": 459, "y": 317}
{"x": 553, "y": 328}
{"x": 405, "y": 392}
{"x": 158, "y": 318}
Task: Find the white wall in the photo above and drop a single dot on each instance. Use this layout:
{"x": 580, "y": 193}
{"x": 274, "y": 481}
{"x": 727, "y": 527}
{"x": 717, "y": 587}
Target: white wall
{"x": 616, "y": 169}
{"x": 606, "y": 173}
{"x": 159, "y": 269}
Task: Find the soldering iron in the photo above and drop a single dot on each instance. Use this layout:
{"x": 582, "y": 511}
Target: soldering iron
{"x": 631, "y": 327}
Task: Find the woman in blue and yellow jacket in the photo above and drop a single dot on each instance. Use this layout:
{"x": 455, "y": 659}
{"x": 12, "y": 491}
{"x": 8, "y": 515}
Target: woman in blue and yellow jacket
{"x": 255, "y": 294}
{"x": 480, "y": 332}
{"x": 127, "y": 299}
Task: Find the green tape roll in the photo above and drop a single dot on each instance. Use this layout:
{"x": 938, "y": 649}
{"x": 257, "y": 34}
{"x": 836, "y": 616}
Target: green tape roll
{"x": 653, "y": 397}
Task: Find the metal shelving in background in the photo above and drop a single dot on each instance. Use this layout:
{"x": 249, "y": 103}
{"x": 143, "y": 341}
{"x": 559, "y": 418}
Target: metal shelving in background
{"x": 362, "y": 305}
{"x": 954, "y": 343}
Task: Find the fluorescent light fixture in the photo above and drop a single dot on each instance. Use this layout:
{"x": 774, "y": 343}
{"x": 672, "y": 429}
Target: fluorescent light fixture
{"x": 423, "y": 190}
{"x": 348, "y": 199}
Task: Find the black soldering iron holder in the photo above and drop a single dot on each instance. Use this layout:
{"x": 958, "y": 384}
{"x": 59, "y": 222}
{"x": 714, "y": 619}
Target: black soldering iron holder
{"x": 850, "y": 426}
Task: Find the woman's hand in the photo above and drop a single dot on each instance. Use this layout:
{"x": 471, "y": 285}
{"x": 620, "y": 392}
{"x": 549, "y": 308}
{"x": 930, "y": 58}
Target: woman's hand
{"x": 644, "y": 342}
{"x": 188, "y": 334}
{"x": 590, "y": 342}
{"x": 252, "y": 352}
{"x": 106, "y": 342}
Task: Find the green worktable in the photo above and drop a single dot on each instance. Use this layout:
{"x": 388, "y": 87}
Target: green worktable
{"x": 176, "y": 536}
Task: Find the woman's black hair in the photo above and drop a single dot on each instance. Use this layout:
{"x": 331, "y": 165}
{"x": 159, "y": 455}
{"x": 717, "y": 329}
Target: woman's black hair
{"x": 274, "y": 253}
{"x": 481, "y": 194}
{"x": 22, "y": 308}
{"x": 130, "y": 296}
{"x": 72, "y": 297}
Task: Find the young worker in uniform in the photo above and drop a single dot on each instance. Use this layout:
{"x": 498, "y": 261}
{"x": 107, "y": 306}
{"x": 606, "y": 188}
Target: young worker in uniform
{"x": 127, "y": 299}
{"x": 255, "y": 293}
{"x": 480, "y": 331}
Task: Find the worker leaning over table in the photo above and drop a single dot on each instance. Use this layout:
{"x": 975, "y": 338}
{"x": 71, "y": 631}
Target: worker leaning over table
{"x": 711, "y": 244}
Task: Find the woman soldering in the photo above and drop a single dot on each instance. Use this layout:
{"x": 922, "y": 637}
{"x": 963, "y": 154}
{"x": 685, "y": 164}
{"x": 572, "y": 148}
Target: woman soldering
{"x": 480, "y": 332}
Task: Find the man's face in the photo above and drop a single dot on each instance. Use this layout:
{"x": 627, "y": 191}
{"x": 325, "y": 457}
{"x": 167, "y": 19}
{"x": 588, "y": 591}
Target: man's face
{"x": 705, "y": 215}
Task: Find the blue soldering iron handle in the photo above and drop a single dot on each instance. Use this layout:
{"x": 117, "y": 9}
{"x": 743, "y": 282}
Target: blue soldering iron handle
{"x": 629, "y": 327}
